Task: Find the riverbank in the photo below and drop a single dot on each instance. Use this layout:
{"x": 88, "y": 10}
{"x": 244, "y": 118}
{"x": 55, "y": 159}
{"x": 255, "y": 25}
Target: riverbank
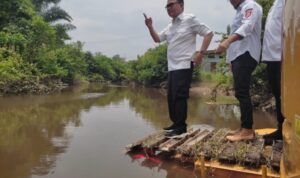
{"x": 221, "y": 95}
{"x": 31, "y": 87}
{"x": 209, "y": 91}
{"x": 213, "y": 94}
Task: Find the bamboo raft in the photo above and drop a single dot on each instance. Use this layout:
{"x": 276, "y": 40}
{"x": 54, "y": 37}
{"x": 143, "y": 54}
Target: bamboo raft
{"x": 252, "y": 157}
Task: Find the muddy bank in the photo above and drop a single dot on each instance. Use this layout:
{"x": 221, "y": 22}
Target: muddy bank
{"x": 222, "y": 95}
{"x": 32, "y": 87}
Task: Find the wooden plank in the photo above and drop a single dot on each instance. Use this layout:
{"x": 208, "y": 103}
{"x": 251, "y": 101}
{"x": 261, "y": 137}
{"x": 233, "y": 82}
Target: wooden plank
{"x": 144, "y": 141}
{"x": 227, "y": 153}
{"x": 172, "y": 143}
{"x": 207, "y": 141}
{"x": 236, "y": 168}
{"x": 276, "y": 154}
{"x": 188, "y": 146}
{"x": 212, "y": 146}
{"x": 153, "y": 144}
{"x": 253, "y": 155}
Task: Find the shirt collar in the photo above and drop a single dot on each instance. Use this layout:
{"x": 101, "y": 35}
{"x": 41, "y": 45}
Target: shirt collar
{"x": 178, "y": 18}
{"x": 242, "y": 4}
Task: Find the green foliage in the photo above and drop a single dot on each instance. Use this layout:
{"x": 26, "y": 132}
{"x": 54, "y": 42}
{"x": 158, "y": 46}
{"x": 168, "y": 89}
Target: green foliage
{"x": 259, "y": 80}
{"x": 222, "y": 67}
{"x": 9, "y": 71}
{"x": 151, "y": 68}
{"x": 62, "y": 33}
{"x": 224, "y": 80}
{"x": 266, "y": 5}
{"x": 131, "y": 71}
{"x": 71, "y": 59}
{"x": 12, "y": 11}
{"x": 64, "y": 63}
{"x": 15, "y": 41}
{"x": 42, "y": 4}
{"x": 33, "y": 49}
{"x": 101, "y": 67}
{"x": 52, "y": 13}
{"x": 55, "y": 13}
{"x": 196, "y": 74}
{"x": 206, "y": 77}
{"x": 104, "y": 67}
{"x": 222, "y": 76}
{"x": 119, "y": 66}
{"x": 96, "y": 78}
{"x": 49, "y": 65}
{"x": 12, "y": 68}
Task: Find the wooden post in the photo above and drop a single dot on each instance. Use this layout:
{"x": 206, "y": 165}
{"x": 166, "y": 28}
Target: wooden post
{"x": 203, "y": 173}
{"x": 264, "y": 171}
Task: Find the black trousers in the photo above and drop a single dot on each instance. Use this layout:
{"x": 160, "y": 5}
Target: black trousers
{"x": 274, "y": 76}
{"x": 242, "y": 68}
{"x": 179, "y": 82}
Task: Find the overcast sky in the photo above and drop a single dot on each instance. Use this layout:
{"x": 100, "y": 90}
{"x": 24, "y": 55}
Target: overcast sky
{"x": 117, "y": 26}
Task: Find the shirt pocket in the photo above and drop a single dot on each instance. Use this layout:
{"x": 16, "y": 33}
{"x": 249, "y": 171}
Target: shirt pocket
{"x": 181, "y": 32}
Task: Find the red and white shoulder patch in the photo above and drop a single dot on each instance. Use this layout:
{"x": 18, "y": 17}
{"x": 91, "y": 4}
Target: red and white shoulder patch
{"x": 248, "y": 13}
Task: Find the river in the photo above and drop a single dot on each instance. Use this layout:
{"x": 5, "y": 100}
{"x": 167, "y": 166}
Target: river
{"x": 82, "y": 132}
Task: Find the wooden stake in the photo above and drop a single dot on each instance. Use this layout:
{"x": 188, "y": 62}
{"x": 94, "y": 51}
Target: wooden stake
{"x": 203, "y": 173}
{"x": 264, "y": 171}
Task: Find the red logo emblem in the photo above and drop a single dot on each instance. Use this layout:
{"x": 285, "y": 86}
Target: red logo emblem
{"x": 248, "y": 13}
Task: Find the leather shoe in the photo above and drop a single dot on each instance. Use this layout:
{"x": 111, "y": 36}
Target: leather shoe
{"x": 233, "y": 132}
{"x": 243, "y": 135}
{"x": 276, "y": 135}
{"x": 175, "y": 132}
{"x": 171, "y": 127}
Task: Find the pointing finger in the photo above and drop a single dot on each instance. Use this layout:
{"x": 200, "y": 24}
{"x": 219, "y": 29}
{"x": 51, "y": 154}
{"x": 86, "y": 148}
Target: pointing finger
{"x": 145, "y": 16}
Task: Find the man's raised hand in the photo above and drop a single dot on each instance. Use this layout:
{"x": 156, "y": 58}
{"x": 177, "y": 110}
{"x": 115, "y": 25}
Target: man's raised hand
{"x": 148, "y": 21}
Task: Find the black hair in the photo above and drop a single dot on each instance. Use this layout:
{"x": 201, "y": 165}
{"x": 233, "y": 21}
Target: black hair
{"x": 180, "y": 1}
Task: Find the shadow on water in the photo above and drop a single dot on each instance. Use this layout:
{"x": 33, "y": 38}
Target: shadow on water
{"x": 81, "y": 132}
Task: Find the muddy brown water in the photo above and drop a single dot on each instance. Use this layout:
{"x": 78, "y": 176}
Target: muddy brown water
{"x": 82, "y": 132}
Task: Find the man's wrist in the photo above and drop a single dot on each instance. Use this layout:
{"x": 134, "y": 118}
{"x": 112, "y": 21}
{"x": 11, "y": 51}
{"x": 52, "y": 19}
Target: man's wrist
{"x": 202, "y": 52}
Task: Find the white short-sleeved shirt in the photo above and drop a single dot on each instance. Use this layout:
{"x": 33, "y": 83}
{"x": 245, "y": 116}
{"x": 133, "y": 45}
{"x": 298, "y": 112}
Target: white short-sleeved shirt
{"x": 246, "y": 23}
{"x": 272, "y": 43}
{"x": 180, "y": 36}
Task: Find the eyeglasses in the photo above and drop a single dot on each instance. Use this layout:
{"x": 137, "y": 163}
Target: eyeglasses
{"x": 170, "y": 5}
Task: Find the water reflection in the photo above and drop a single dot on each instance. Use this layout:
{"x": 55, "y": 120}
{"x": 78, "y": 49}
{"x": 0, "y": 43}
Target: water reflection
{"x": 162, "y": 163}
{"x": 80, "y": 132}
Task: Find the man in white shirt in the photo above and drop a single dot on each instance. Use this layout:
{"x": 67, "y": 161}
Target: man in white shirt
{"x": 272, "y": 55}
{"x": 243, "y": 52}
{"x": 180, "y": 36}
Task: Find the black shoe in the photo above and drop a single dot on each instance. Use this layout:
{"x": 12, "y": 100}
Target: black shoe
{"x": 172, "y": 127}
{"x": 276, "y": 135}
{"x": 175, "y": 133}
